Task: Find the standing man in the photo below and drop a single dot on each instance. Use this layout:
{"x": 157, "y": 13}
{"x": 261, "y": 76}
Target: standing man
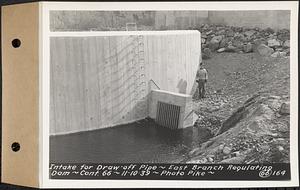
{"x": 201, "y": 79}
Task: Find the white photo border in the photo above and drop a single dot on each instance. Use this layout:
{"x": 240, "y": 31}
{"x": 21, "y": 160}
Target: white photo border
{"x": 44, "y": 84}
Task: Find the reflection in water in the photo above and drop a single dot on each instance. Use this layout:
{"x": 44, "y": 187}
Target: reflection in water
{"x": 139, "y": 142}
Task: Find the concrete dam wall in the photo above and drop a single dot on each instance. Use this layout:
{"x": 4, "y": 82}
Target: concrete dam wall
{"x": 166, "y": 20}
{"x": 99, "y": 81}
{"x": 275, "y": 19}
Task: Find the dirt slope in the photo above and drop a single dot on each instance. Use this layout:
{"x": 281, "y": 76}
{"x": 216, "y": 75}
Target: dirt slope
{"x": 242, "y": 110}
{"x": 234, "y": 77}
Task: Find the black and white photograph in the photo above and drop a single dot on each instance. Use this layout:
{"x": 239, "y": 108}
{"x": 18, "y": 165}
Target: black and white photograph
{"x": 149, "y": 94}
{"x": 187, "y": 87}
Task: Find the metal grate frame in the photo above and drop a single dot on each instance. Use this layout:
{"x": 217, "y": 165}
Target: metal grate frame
{"x": 167, "y": 115}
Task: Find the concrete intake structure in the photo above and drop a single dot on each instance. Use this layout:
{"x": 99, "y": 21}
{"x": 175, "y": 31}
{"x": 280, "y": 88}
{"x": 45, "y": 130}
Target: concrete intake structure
{"x": 104, "y": 79}
{"x": 172, "y": 110}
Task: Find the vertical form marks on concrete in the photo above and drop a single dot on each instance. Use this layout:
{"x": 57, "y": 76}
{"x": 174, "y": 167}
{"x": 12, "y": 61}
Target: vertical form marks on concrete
{"x": 78, "y": 103}
{"x": 102, "y": 81}
{"x": 165, "y": 20}
{"x": 275, "y": 19}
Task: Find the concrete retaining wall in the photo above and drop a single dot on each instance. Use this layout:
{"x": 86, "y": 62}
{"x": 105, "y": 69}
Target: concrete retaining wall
{"x": 175, "y": 20}
{"x": 275, "y": 19}
{"x": 165, "y": 20}
{"x": 184, "y": 101}
{"x": 103, "y": 81}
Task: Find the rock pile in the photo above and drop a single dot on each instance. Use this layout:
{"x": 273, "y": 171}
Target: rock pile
{"x": 261, "y": 136}
{"x": 211, "y": 123}
{"x": 267, "y": 42}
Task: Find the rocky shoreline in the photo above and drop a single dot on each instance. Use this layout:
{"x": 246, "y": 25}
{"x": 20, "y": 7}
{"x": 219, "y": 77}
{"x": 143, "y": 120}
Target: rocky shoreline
{"x": 248, "y": 119}
{"x": 257, "y": 132}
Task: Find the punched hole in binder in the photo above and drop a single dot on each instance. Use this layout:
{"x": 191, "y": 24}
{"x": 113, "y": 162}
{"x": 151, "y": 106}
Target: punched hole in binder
{"x": 15, "y": 146}
{"x": 16, "y": 43}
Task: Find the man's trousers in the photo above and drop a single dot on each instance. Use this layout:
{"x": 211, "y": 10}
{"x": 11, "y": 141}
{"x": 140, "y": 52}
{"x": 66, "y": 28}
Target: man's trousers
{"x": 201, "y": 87}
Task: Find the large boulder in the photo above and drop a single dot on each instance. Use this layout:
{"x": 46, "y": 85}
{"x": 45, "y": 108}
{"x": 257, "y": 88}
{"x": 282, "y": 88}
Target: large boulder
{"x": 269, "y": 30}
{"x": 234, "y": 160}
{"x": 209, "y": 32}
{"x": 283, "y": 54}
{"x": 278, "y": 49}
{"x": 215, "y": 42}
{"x": 238, "y": 44}
{"x": 248, "y": 48}
{"x": 204, "y": 46}
{"x": 227, "y": 150}
{"x": 221, "y": 32}
{"x": 213, "y": 46}
{"x": 203, "y": 36}
{"x": 206, "y": 53}
{"x": 264, "y": 50}
{"x": 238, "y": 35}
{"x": 286, "y": 44}
{"x": 279, "y": 54}
{"x": 257, "y": 42}
{"x": 276, "y": 54}
{"x": 195, "y": 152}
{"x": 283, "y": 34}
{"x": 223, "y": 43}
{"x": 287, "y": 52}
{"x": 221, "y": 50}
{"x": 230, "y": 33}
{"x": 249, "y": 33}
{"x": 273, "y": 43}
{"x": 231, "y": 48}
{"x": 285, "y": 108}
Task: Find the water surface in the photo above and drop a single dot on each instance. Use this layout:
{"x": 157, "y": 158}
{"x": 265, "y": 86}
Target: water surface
{"x": 140, "y": 142}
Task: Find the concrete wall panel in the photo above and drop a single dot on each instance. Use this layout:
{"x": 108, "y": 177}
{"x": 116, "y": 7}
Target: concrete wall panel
{"x": 103, "y": 81}
{"x": 165, "y": 20}
{"x": 275, "y": 19}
